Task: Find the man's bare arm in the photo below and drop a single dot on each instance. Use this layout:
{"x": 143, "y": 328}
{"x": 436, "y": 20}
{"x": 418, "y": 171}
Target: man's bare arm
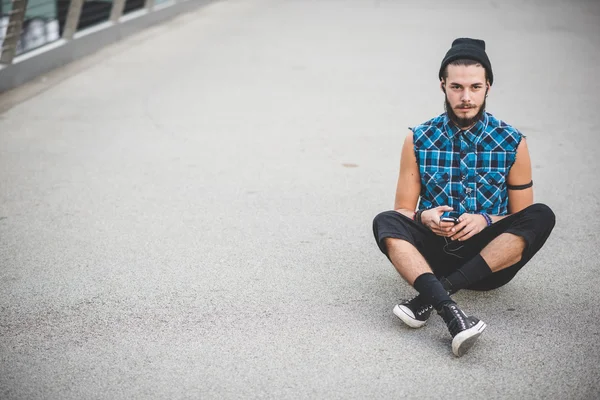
{"x": 408, "y": 191}
{"x": 520, "y": 174}
{"x": 409, "y": 180}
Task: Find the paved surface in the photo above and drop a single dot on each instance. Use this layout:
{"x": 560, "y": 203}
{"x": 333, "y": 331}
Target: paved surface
{"x": 191, "y": 217}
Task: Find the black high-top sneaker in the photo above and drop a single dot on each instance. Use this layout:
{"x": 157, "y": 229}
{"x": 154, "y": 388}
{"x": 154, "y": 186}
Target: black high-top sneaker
{"x": 464, "y": 330}
{"x": 413, "y": 312}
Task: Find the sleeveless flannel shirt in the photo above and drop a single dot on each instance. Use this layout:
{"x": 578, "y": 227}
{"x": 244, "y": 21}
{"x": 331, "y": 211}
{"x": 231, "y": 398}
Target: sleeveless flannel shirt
{"x": 465, "y": 170}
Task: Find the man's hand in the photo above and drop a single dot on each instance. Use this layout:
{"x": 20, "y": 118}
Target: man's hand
{"x": 469, "y": 226}
{"x": 431, "y": 219}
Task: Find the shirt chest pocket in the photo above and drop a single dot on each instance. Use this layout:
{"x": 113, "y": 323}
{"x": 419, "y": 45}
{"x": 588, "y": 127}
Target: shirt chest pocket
{"x": 491, "y": 186}
{"x": 436, "y": 186}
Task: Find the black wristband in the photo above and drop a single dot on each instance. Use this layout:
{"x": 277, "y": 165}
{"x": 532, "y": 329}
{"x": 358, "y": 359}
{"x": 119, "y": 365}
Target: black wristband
{"x": 519, "y": 187}
{"x": 418, "y": 216}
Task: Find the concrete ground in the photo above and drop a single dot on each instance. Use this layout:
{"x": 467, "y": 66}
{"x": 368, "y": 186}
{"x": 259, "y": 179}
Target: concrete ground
{"x": 190, "y": 216}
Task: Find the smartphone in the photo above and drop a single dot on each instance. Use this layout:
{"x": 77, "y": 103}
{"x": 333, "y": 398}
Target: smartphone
{"x": 454, "y": 220}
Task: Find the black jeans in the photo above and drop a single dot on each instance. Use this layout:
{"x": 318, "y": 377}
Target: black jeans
{"x": 534, "y": 224}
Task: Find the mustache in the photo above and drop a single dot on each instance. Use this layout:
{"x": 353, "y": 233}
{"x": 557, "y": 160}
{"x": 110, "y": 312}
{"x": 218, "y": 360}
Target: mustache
{"x": 466, "y": 107}
{"x": 463, "y": 122}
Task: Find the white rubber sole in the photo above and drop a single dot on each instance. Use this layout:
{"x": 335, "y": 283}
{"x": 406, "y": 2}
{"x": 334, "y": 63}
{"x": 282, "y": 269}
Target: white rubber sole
{"x": 466, "y": 339}
{"x": 408, "y": 317}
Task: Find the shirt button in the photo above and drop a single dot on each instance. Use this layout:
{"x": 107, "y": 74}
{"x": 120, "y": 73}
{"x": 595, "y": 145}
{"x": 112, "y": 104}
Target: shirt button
{"x": 468, "y": 190}
{"x": 464, "y": 178}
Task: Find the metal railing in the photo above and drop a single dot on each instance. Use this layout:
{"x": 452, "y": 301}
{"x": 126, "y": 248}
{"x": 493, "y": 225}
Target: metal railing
{"x": 69, "y": 17}
{"x": 38, "y": 36}
{"x": 16, "y": 16}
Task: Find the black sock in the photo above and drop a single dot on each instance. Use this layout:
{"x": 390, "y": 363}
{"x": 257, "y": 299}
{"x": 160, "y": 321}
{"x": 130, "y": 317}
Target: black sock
{"x": 473, "y": 271}
{"x": 431, "y": 290}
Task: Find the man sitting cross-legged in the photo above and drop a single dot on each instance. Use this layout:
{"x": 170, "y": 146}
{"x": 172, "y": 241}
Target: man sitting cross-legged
{"x": 474, "y": 170}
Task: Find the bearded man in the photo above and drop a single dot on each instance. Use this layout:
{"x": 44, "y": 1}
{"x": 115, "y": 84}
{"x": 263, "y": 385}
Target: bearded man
{"x": 475, "y": 225}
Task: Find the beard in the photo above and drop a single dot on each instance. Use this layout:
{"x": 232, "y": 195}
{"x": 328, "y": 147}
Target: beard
{"x": 460, "y": 121}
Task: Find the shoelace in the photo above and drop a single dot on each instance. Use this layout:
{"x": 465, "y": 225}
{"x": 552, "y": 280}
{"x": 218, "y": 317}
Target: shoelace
{"x": 424, "y": 308}
{"x": 459, "y": 317}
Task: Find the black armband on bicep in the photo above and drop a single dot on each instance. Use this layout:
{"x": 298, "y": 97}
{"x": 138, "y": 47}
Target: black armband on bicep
{"x": 520, "y": 187}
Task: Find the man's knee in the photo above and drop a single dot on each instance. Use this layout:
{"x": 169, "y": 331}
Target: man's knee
{"x": 385, "y": 222}
{"x": 382, "y": 218}
{"x": 535, "y": 226}
{"x": 390, "y": 228}
{"x": 543, "y": 215}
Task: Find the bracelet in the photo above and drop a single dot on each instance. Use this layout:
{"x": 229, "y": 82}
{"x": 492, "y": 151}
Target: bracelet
{"x": 418, "y": 216}
{"x": 488, "y": 219}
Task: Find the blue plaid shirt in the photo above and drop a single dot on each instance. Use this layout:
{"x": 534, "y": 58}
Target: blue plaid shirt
{"x": 465, "y": 170}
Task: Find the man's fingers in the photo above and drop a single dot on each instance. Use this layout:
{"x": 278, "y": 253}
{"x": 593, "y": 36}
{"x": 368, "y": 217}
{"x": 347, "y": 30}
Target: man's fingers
{"x": 440, "y": 232}
{"x": 466, "y": 228}
{"x": 466, "y": 234}
{"x": 471, "y": 230}
{"x": 460, "y": 225}
{"x": 462, "y": 231}
{"x": 435, "y": 229}
{"x": 444, "y": 231}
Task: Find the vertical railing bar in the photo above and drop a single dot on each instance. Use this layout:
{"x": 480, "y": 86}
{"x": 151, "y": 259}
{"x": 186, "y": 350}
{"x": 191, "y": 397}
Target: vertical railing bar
{"x": 72, "y": 21}
{"x": 117, "y": 10}
{"x": 149, "y": 5}
{"x": 13, "y": 31}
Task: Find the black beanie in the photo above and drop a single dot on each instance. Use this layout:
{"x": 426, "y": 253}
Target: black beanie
{"x": 470, "y": 49}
